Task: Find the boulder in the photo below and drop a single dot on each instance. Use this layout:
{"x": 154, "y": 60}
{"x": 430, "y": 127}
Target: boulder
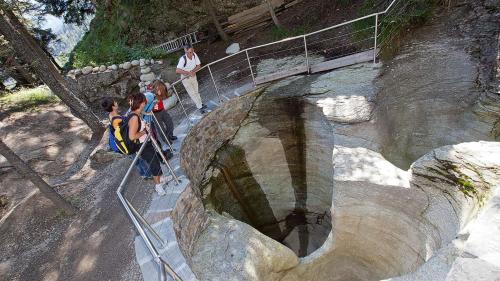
{"x": 142, "y": 62}
{"x": 159, "y": 62}
{"x": 152, "y": 61}
{"x": 86, "y": 70}
{"x": 142, "y": 90}
{"x": 78, "y": 71}
{"x": 95, "y": 69}
{"x": 233, "y": 48}
{"x": 113, "y": 67}
{"x": 148, "y": 77}
{"x": 135, "y": 63}
{"x": 170, "y": 102}
{"x": 71, "y": 72}
{"x": 127, "y": 65}
{"x": 102, "y": 68}
{"x": 145, "y": 70}
{"x": 102, "y": 156}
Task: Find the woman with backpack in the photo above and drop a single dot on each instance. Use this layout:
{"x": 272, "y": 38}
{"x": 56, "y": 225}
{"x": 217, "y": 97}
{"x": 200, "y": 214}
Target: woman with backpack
{"x": 111, "y": 106}
{"x": 137, "y": 131}
{"x": 167, "y": 125}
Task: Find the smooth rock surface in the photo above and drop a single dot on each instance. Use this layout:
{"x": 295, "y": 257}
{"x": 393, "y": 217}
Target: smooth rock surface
{"x": 233, "y": 48}
{"x": 147, "y": 77}
{"x": 87, "y": 70}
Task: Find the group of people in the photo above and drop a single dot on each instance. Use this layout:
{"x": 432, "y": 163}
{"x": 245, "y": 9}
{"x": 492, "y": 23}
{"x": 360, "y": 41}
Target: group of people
{"x": 138, "y": 121}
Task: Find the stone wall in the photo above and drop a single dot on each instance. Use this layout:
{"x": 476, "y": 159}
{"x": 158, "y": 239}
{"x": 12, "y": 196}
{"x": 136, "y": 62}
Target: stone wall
{"x": 199, "y": 148}
{"x": 92, "y": 84}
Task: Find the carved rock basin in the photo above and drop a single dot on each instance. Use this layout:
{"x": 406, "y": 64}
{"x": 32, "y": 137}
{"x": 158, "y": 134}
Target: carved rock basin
{"x": 273, "y": 198}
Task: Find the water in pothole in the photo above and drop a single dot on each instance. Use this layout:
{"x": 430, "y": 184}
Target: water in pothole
{"x": 276, "y": 174}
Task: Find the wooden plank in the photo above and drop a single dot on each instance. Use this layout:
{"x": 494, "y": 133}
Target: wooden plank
{"x": 250, "y": 17}
{"x": 279, "y": 75}
{"x": 292, "y": 3}
{"x": 256, "y": 9}
{"x": 344, "y": 61}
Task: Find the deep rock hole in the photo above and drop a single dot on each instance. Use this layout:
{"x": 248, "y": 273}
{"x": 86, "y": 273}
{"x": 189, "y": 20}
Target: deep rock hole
{"x": 285, "y": 197}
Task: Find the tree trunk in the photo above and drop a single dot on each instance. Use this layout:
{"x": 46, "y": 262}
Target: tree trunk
{"x": 273, "y": 14}
{"x": 27, "y": 48}
{"x": 211, "y": 11}
{"x": 28, "y": 173}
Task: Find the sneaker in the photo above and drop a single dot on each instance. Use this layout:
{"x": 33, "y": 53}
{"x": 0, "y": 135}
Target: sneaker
{"x": 164, "y": 147}
{"x": 159, "y": 189}
{"x": 166, "y": 178}
{"x": 202, "y": 111}
{"x": 203, "y": 106}
{"x": 172, "y": 138}
{"x": 168, "y": 154}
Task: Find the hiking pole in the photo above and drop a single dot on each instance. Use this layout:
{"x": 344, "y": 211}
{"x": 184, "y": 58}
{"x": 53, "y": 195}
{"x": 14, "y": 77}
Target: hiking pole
{"x": 158, "y": 149}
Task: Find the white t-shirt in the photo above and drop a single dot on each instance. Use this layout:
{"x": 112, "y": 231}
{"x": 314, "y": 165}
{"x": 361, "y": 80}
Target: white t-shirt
{"x": 190, "y": 64}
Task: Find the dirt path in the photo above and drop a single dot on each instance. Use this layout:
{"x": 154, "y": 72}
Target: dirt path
{"x": 40, "y": 243}
{"x": 296, "y": 19}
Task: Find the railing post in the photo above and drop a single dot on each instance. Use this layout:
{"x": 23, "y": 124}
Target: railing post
{"x": 250, "y": 65}
{"x": 180, "y": 101}
{"x": 376, "y": 35}
{"x": 162, "y": 132}
{"x": 158, "y": 149}
{"x": 307, "y": 56}
{"x": 215, "y": 85}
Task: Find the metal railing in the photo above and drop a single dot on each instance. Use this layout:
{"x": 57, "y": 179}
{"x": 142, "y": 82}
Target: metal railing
{"x": 178, "y": 43}
{"x": 350, "y": 42}
{"x": 142, "y": 226}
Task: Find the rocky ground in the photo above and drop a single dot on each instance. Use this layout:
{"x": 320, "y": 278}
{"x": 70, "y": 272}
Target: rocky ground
{"x": 403, "y": 131}
{"x": 40, "y": 243}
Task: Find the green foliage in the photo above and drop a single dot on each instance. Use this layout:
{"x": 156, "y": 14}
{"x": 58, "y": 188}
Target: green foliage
{"x": 279, "y": 33}
{"x": 72, "y": 11}
{"x": 365, "y": 28}
{"x": 27, "y": 99}
{"x": 393, "y": 25}
{"x": 466, "y": 187}
{"x": 108, "y": 43}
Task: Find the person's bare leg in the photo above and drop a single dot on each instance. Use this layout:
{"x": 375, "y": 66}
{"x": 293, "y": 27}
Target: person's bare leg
{"x": 156, "y": 179}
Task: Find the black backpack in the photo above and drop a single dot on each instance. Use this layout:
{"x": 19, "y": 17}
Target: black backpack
{"x": 185, "y": 59}
{"x": 122, "y": 141}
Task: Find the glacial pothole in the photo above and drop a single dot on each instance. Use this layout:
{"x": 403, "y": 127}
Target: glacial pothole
{"x": 272, "y": 198}
{"x": 276, "y": 174}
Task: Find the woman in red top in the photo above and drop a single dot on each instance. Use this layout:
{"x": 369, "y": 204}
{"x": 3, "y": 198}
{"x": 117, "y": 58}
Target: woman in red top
{"x": 166, "y": 123}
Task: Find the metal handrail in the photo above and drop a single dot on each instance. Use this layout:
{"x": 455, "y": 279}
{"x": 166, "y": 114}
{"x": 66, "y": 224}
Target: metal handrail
{"x": 136, "y": 218}
{"x": 290, "y": 39}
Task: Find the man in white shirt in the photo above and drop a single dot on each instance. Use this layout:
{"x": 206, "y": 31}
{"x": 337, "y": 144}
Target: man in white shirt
{"x": 188, "y": 64}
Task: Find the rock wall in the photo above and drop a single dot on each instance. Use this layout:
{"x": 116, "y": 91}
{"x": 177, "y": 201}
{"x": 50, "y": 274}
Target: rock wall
{"x": 276, "y": 173}
{"x": 92, "y": 84}
{"x": 439, "y": 90}
{"x": 198, "y": 151}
